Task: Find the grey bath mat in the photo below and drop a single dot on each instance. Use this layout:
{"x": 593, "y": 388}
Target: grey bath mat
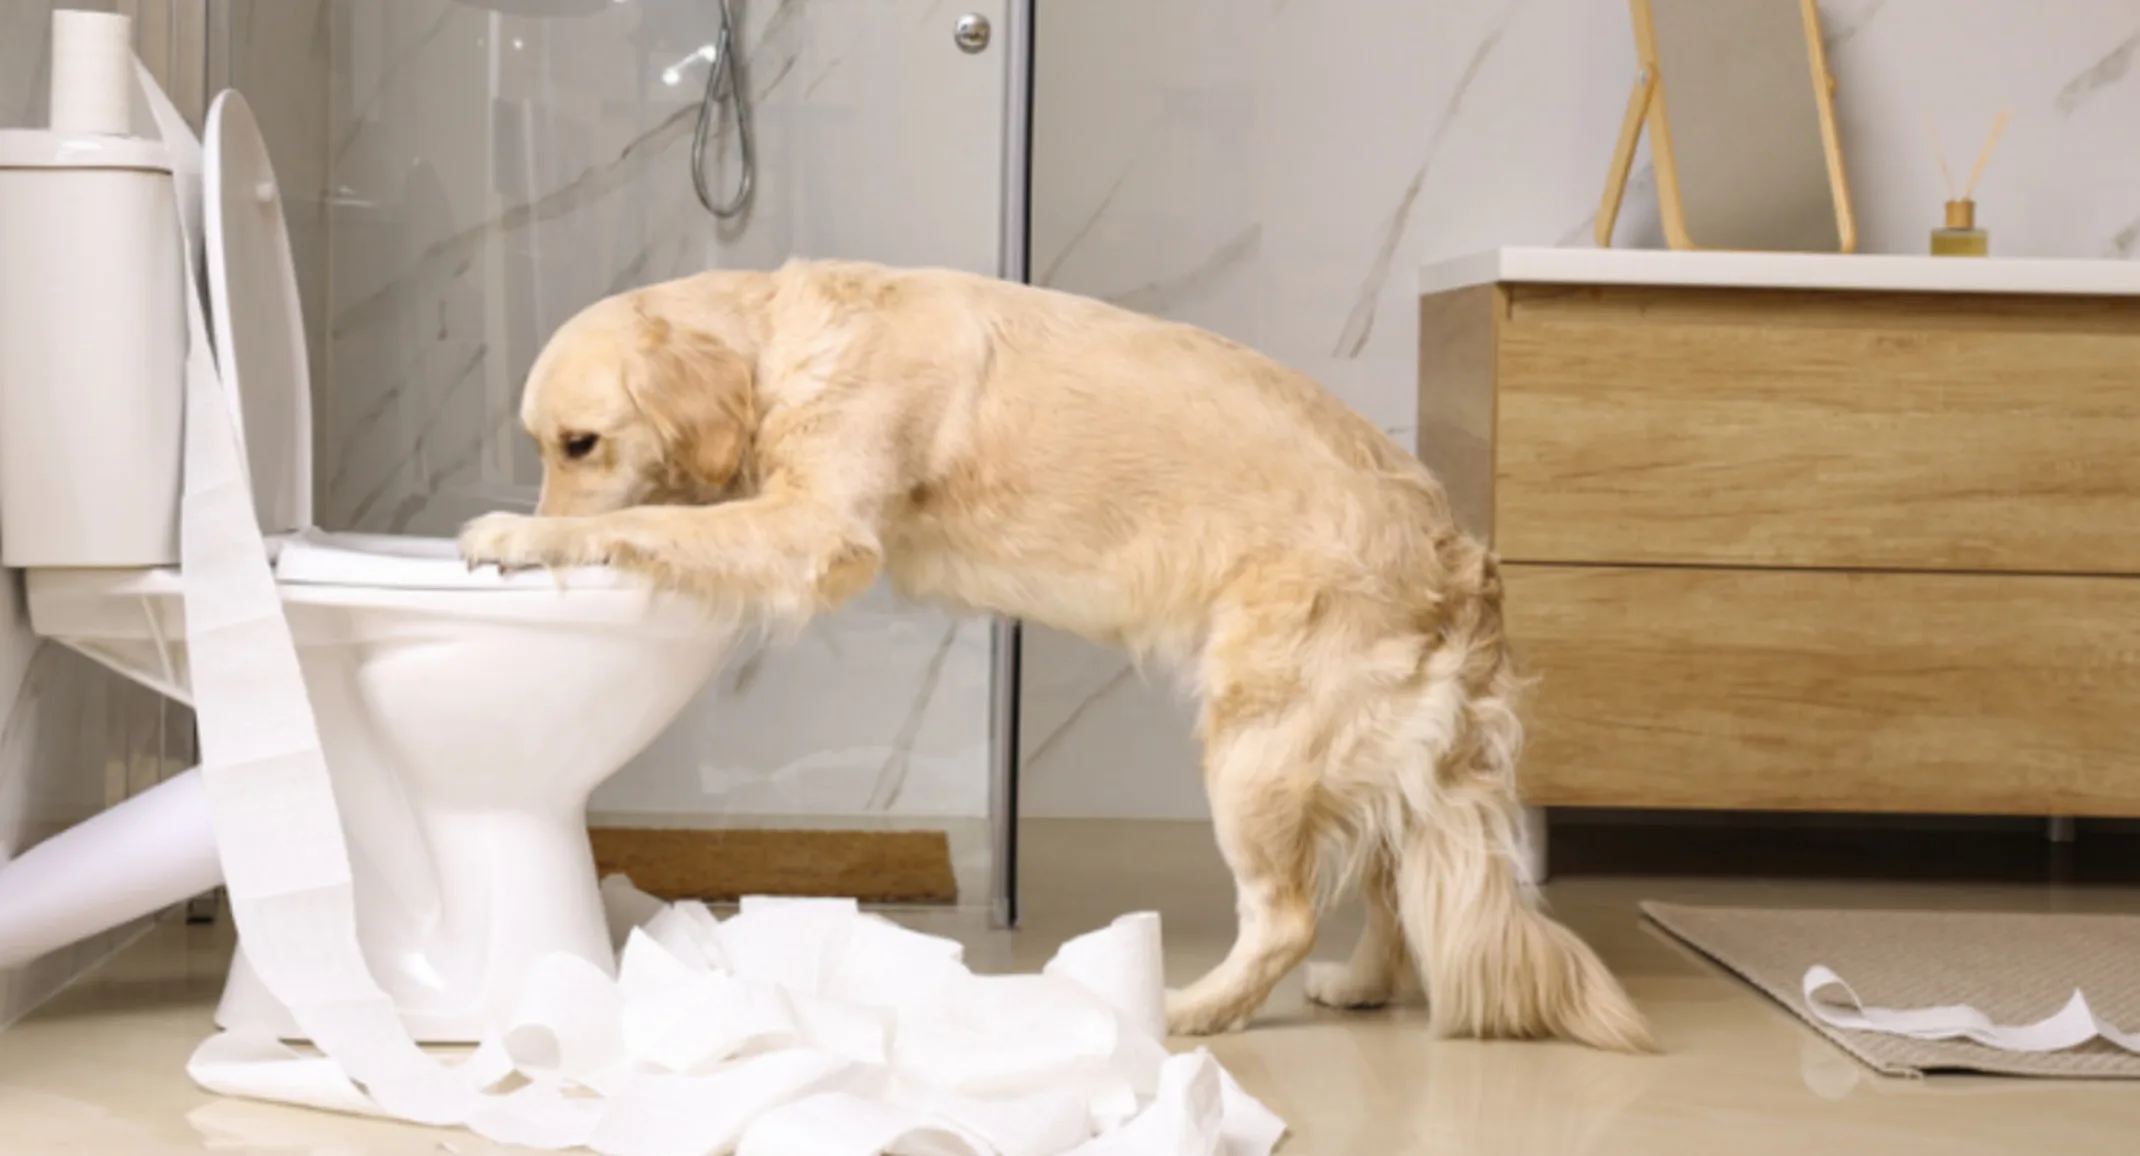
{"x": 2014, "y": 968}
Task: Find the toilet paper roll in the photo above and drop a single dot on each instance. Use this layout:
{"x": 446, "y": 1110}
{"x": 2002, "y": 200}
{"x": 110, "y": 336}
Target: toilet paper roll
{"x": 568, "y": 1023}
{"x": 92, "y": 72}
{"x": 1121, "y": 965}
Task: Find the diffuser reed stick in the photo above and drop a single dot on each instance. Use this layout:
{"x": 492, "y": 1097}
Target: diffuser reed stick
{"x": 1998, "y": 127}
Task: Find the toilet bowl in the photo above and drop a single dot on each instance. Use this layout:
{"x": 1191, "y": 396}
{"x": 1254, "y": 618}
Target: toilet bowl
{"x": 465, "y": 717}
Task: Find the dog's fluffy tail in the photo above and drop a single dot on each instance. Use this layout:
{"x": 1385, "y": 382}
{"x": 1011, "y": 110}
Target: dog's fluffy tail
{"x": 1494, "y": 965}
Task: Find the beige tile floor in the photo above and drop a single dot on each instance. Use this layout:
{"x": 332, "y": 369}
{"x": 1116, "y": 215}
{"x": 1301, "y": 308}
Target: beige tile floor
{"x": 99, "y": 1070}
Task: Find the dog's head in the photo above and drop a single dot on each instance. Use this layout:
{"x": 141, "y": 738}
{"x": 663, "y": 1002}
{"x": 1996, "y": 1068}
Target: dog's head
{"x": 631, "y": 407}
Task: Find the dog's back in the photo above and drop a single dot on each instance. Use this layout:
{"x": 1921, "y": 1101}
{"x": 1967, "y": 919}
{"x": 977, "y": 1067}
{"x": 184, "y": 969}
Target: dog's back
{"x": 1112, "y": 472}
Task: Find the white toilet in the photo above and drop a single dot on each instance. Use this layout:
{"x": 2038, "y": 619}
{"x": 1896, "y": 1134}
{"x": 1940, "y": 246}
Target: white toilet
{"x": 465, "y": 716}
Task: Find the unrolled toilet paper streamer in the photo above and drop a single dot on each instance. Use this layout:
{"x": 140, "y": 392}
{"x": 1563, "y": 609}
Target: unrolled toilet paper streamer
{"x": 2071, "y": 1026}
{"x": 793, "y": 1027}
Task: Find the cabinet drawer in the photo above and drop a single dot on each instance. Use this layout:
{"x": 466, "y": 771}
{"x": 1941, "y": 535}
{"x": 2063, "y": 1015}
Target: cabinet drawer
{"x": 1736, "y": 427}
{"x": 1833, "y": 691}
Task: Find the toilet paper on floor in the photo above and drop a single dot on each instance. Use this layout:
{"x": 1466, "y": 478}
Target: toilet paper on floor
{"x": 795, "y": 1026}
{"x": 809, "y": 1026}
{"x": 2069, "y": 1027}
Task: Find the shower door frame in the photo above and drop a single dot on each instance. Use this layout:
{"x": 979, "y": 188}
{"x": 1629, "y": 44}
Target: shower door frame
{"x": 1006, "y": 635}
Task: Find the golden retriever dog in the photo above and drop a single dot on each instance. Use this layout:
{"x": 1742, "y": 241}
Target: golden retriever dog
{"x": 773, "y": 442}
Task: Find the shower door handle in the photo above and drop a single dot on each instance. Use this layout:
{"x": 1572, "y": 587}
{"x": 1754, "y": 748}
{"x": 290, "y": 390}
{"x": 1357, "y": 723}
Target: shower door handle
{"x": 971, "y": 33}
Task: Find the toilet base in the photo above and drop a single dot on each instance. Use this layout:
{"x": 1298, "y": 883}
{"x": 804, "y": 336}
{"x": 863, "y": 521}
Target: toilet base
{"x": 454, "y": 724}
{"x": 512, "y": 886}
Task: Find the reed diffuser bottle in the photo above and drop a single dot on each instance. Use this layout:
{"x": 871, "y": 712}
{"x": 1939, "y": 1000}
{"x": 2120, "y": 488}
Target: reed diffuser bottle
{"x": 1961, "y": 237}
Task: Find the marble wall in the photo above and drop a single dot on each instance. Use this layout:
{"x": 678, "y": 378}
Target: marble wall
{"x": 75, "y": 738}
{"x": 25, "y": 62}
{"x": 1278, "y": 172}
{"x": 482, "y": 171}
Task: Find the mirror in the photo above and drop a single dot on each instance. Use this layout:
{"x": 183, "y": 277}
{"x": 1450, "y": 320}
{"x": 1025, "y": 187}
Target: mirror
{"x": 1739, "y": 106}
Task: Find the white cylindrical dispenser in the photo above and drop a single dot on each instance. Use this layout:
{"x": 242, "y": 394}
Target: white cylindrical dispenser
{"x": 92, "y": 344}
{"x": 92, "y": 72}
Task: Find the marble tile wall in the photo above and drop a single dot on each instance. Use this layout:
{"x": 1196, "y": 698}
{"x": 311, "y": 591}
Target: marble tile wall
{"x": 1278, "y": 172}
{"x": 485, "y": 170}
{"x": 25, "y": 60}
{"x": 75, "y": 738}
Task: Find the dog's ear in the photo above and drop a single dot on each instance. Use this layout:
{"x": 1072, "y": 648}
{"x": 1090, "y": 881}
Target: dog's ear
{"x": 697, "y": 393}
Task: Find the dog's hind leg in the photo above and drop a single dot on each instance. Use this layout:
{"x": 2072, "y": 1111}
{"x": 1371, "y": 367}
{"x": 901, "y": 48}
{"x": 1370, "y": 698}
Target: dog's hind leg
{"x": 1381, "y": 969}
{"x": 1262, "y": 794}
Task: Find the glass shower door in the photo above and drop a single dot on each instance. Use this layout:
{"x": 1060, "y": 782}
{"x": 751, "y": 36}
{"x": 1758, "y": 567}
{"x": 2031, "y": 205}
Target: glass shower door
{"x": 489, "y": 167}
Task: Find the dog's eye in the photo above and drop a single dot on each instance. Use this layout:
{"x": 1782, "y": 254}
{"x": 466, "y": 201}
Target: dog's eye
{"x": 580, "y": 445}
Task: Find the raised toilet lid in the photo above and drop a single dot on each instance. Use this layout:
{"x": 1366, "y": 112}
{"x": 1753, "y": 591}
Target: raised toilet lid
{"x": 260, "y": 355}
{"x": 259, "y": 323}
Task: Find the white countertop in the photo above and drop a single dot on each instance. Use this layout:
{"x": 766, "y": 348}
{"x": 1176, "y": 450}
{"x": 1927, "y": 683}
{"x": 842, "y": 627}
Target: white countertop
{"x": 1784, "y": 271}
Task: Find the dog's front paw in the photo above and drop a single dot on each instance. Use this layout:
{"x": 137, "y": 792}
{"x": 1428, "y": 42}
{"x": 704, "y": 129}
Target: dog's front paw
{"x": 520, "y": 542}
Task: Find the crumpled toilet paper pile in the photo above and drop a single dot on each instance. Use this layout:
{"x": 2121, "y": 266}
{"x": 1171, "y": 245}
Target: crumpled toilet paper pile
{"x": 808, "y": 1026}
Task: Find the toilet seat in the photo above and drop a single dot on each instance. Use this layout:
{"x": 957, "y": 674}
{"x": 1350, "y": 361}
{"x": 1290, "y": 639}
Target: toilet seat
{"x": 355, "y": 571}
{"x": 320, "y": 558}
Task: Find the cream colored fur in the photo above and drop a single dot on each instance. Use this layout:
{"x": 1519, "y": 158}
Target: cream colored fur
{"x": 773, "y": 442}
